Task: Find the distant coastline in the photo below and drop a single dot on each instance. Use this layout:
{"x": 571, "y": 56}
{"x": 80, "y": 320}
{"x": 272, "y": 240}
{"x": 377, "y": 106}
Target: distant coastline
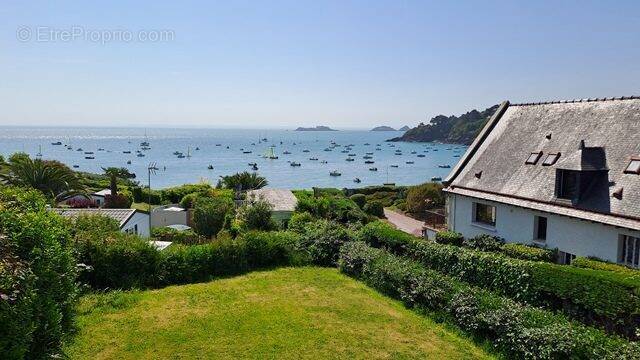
{"x": 317, "y": 128}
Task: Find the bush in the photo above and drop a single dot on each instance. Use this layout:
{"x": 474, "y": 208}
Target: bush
{"x": 449, "y": 238}
{"x": 424, "y": 197}
{"x": 175, "y": 194}
{"x": 299, "y": 221}
{"x": 596, "y": 264}
{"x": 322, "y": 241}
{"x": 210, "y": 214}
{"x": 119, "y": 201}
{"x": 517, "y": 330}
{"x": 381, "y": 235}
{"x": 255, "y": 214}
{"x": 593, "y": 297}
{"x": 359, "y": 199}
{"x": 270, "y": 249}
{"x": 484, "y": 242}
{"x": 374, "y": 208}
{"x": 331, "y": 207}
{"x": 524, "y": 252}
{"x": 37, "y": 276}
{"x": 184, "y": 237}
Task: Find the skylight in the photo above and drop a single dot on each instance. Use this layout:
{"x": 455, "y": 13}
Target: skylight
{"x": 533, "y": 158}
{"x": 633, "y": 167}
{"x": 551, "y": 159}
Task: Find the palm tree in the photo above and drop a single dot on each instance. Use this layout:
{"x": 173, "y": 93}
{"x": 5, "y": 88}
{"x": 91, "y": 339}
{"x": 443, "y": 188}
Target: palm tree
{"x": 51, "y": 177}
{"x": 243, "y": 181}
{"x": 114, "y": 174}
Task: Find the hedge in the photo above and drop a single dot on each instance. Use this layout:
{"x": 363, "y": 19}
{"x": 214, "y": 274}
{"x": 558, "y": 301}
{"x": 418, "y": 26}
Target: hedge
{"x": 519, "y": 331}
{"x": 630, "y": 274}
{"x": 591, "y": 296}
{"x": 122, "y": 261}
{"x": 525, "y": 252}
{"x": 37, "y": 276}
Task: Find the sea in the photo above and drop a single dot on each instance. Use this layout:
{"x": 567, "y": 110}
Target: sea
{"x": 229, "y": 151}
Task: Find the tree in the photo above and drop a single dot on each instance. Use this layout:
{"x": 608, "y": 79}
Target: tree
{"x": 114, "y": 174}
{"x": 243, "y": 181}
{"x": 255, "y": 214}
{"x": 424, "y": 197}
{"x": 210, "y": 214}
{"x": 52, "y": 178}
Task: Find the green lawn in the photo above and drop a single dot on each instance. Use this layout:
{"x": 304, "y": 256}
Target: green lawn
{"x": 286, "y": 313}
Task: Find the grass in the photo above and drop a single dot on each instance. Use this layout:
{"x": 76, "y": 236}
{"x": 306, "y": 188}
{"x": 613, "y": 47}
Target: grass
{"x": 285, "y": 313}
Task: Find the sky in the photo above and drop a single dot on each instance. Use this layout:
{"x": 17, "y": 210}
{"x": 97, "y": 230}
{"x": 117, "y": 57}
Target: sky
{"x": 283, "y": 64}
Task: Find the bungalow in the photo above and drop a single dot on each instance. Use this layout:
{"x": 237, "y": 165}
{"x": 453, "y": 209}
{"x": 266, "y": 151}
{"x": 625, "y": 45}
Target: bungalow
{"x": 562, "y": 174}
{"x": 131, "y": 221}
{"x": 98, "y": 198}
{"x": 283, "y": 202}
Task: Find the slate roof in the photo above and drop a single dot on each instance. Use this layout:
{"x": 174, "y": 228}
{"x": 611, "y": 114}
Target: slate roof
{"x": 281, "y": 199}
{"x": 120, "y": 215}
{"x": 494, "y": 168}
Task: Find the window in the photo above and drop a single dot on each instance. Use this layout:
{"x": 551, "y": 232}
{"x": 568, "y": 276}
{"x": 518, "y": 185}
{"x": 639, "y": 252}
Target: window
{"x": 633, "y": 167}
{"x": 484, "y": 214}
{"x": 567, "y": 184}
{"x": 540, "y": 228}
{"x": 551, "y": 159}
{"x": 629, "y": 251}
{"x": 565, "y": 257}
{"x": 533, "y": 158}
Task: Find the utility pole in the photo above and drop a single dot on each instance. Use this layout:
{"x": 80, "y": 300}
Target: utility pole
{"x": 151, "y": 169}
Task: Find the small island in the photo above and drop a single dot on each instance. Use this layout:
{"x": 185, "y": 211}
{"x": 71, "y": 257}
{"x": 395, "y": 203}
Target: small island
{"x": 383, "y": 128}
{"x": 317, "y": 128}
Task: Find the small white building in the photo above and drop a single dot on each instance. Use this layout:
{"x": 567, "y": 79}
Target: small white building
{"x": 562, "y": 175}
{"x": 166, "y": 215}
{"x": 98, "y": 198}
{"x": 131, "y": 221}
{"x": 283, "y": 202}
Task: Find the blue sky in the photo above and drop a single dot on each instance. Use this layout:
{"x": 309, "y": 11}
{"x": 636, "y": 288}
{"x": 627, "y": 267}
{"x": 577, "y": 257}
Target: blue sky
{"x": 259, "y": 64}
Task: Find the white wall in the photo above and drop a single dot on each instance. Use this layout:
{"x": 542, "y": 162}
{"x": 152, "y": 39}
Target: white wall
{"x": 515, "y": 224}
{"x": 161, "y": 218}
{"x": 142, "y": 220}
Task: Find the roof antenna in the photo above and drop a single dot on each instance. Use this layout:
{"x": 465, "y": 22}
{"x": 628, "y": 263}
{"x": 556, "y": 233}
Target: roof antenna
{"x": 548, "y": 136}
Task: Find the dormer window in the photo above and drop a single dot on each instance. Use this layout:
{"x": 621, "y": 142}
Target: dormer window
{"x": 567, "y": 184}
{"x": 551, "y": 159}
{"x": 533, "y": 158}
{"x": 633, "y": 167}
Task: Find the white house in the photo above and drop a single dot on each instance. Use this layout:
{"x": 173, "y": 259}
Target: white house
{"x": 561, "y": 174}
{"x": 97, "y": 197}
{"x": 283, "y": 202}
{"x": 131, "y": 221}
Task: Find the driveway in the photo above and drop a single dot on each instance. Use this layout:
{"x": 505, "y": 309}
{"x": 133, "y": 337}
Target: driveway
{"x": 404, "y": 223}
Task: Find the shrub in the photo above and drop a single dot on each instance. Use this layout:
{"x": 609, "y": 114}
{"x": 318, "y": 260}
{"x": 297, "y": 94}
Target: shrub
{"x": 593, "y": 297}
{"x": 381, "y": 235}
{"x": 177, "y": 193}
{"x": 119, "y": 201}
{"x": 450, "y": 238}
{"x": 524, "y": 252}
{"x": 517, "y": 330}
{"x": 374, "y": 208}
{"x": 269, "y": 249}
{"x": 359, "y": 199}
{"x": 299, "y": 221}
{"x": 81, "y": 203}
{"x": 209, "y": 215}
{"x": 596, "y": 264}
{"x": 37, "y": 276}
{"x": 331, "y": 207}
{"x": 184, "y": 237}
{"x": 322, "y": 241}
{"x": 255, "y": 214}
{"x": 423, "y": 197}
{"x": 484, "y": 242}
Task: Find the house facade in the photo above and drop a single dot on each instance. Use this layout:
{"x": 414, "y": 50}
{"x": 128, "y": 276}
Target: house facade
{"x": 282, "y": 200}
{"x": 562, "y": 175}
{"x": 131, "y": 221}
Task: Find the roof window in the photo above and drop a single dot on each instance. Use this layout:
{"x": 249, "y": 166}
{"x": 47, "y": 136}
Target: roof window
{"x": 533, "y": 158}
{"x": 551, "y": 159}
{"x": 633, "y": 167}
